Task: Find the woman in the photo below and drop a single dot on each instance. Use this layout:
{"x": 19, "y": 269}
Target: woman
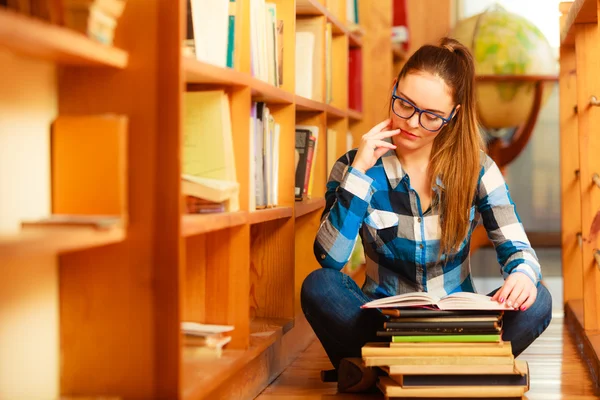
{"x": 414, "y": 202}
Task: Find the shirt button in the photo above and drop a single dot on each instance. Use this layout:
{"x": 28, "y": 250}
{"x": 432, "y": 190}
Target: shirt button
{"x": 419, "y": 220}
{"x": 421, "y": 246}
{"x": 323, "y": 256}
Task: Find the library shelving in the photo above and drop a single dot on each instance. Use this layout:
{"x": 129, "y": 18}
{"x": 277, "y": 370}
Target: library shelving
{"x": 121, "y": 294}
{"x": 579, "y": 88}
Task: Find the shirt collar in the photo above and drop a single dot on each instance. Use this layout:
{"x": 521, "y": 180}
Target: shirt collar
{"x": 393, "y": 168}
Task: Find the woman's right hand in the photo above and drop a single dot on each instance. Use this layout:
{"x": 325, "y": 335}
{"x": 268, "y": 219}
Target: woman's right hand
{"x": 372, "y": 146}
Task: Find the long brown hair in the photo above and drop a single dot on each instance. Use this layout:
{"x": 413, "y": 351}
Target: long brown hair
{"x": 455, "y": 156}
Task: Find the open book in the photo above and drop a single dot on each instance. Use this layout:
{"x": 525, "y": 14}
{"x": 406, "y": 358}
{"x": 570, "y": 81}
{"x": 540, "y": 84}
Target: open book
{"x": 454, "y": 301}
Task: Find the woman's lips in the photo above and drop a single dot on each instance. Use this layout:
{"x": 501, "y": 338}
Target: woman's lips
{"x": 408, "y": 135}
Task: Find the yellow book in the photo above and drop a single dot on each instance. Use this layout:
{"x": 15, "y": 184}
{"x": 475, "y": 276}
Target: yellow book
{"x": 208, "y": 142}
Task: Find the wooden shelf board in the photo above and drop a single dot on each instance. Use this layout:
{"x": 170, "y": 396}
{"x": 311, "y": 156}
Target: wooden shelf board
{"x": 200, "y": 72}
{"x": 39, "y": 39}
{"x": 263, "y": 91}
{"x": 204, "y": 73}
{"x": 57, "y": 239}
{"x": 313, "y": 7}
{"x": 354, "y": 40}
{"x": 202, "y": 374}
{"x": 580, "y": 12}
{"x": 309, "y": 205}
{"x": 197, "y": 224}
{"x": 334, "y": 112}
{"x": 354, "y": 115}
{"x": 269, "y": 214}
{"x": 398, "y": 52}
{"x": 588, "y": 342}
{"x": 308, "y": 105}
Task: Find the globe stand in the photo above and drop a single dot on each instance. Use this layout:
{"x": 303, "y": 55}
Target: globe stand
{"x": 503, "y": 151}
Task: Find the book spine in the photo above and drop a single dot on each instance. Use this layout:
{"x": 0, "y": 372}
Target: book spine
{"x": 447, "y": 338}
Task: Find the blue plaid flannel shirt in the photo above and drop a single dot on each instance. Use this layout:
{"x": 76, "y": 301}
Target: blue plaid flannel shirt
{"x": 401, "y": 240}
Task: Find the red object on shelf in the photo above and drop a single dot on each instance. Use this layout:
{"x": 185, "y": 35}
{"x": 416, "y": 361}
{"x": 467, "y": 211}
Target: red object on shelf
{"x": 400, "y": 32}
{"x": 355, "y": 79}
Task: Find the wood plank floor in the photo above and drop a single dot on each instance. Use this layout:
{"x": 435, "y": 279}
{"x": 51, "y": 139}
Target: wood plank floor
{"x": 557, "y": 372}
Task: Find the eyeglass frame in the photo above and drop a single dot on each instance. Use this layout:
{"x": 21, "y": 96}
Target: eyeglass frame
{"x": 420, "y": 111}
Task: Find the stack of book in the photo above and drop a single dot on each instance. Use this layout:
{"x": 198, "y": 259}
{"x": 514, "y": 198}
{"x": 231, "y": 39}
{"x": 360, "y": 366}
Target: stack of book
{"x": 95, "y": 18}
{"x": 205, "y": 340}
{"x": 449, "y": 347}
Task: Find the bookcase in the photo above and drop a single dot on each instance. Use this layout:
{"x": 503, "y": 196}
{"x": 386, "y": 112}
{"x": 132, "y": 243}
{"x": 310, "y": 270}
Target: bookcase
{"x": 580, "y": 190}
{"x": 117, "y": 296}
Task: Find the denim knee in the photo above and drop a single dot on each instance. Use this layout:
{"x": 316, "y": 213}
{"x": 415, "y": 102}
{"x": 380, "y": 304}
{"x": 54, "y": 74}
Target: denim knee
{"x": 314, "y": 286}
{"x": 543, "y": 307}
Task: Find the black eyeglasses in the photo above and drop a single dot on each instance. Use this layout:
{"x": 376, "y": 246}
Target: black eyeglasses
{"x": 406, "y": 109}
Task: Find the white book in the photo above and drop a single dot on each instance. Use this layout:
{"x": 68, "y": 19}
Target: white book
{"x": 211, "y": 23}
{"x": 276, "y": 135}
{"x": 305, "y": 47}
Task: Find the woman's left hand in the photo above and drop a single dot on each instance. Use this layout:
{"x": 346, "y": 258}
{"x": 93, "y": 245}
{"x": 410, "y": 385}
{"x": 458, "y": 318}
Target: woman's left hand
{"x": 518, "y": 291}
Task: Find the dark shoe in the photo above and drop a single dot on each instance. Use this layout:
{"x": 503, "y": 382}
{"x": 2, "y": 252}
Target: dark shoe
{"x": 329, "y": 375}
{"x": 354, "y": 376}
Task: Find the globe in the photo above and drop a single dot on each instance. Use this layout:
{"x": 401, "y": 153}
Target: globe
{"x": 503, "y": 43}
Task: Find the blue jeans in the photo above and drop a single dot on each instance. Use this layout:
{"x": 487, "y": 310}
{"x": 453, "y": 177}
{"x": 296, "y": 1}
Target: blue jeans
{"x": 331, "y": 302}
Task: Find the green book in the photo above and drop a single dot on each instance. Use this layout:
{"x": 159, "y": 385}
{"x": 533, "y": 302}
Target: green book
{"x": 448, "y": 338}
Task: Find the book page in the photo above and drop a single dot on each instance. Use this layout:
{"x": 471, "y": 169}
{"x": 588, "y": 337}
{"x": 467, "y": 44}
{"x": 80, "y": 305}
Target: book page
{"x": 468, "y": 300}
{"x": 404, "y": 300}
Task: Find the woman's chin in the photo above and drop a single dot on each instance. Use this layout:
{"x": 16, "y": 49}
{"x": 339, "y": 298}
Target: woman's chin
{"x": 406, "y": 144}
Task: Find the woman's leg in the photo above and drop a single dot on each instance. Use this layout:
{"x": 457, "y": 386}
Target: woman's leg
{"x": 521, "y": 328}
{"x": 331, "y": 302}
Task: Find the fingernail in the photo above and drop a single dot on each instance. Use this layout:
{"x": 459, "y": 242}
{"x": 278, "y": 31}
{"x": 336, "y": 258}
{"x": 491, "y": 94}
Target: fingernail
{"x": 523, "y": 308}
{"x": 509, "y": 303}
{"x": 501, "y": 299}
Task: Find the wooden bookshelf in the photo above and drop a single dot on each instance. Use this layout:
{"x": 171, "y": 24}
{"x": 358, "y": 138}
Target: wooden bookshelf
{"x": 197, "y": 72}
{"x": 580, "y": 193}
{"x": 579, "y": 12}
{"x": 241, "y": 268}
{"x": 334, "y": 112}
{"x": 269, "y": 214}
{"x": 194, "y": 224}
{"x": 354, "y": 115}
{"x": 399, "y": 53}
{"x": 34, "y": 38}
{"x": 57, "y": 240}
{"x": 304, "y": 104}
{"x": 308, "y": 206}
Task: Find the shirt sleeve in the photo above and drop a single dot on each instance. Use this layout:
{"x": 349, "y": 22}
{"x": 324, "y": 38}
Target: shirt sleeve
{"x": 503, "y": 225}
{"x": 348, "y": 195}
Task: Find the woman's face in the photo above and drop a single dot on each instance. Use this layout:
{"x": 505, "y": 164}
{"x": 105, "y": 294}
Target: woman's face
{"x": 426, "y": 92}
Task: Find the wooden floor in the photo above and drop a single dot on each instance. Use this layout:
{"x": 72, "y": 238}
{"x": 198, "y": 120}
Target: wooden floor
{"x": 557, "y": 372}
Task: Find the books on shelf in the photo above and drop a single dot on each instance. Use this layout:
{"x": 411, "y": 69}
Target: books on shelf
{"x": 355, "y": 80}
{"x": 306, "y": 147}
{"x": 266, "y": 42}
{"x": 454, "y": 301}
{"x": 203, "y": 195}
{"x": 310, "y": 51}
{"x": 400, "y": 32}
{"x": 208, "y": 169}
{"x": 95, "y": 18}
{"x": 328, "y": 63}
{"x": 205, "y": 339}
{"x": 210, "y": 34}
{"x": 265, "y": 134}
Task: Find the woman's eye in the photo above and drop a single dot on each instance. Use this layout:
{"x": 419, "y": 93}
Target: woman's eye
{"x": 431, "y": 117}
